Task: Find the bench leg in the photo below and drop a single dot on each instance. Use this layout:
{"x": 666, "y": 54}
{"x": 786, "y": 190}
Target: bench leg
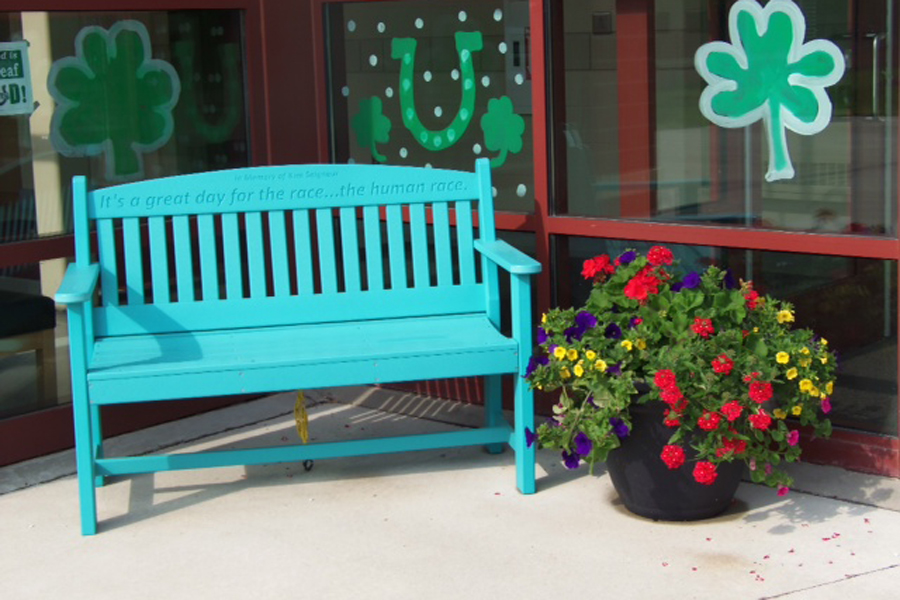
{"x": 97, "y": 440}
{"x": 525, "y": 455}
{"x": 84, "y": 460}
{"x": 493, "y": 407}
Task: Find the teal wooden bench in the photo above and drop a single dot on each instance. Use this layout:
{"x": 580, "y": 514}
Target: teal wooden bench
{"x": 278, "y": 278}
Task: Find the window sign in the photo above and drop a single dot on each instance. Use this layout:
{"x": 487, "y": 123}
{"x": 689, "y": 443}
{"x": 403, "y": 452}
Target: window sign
{"x": 16, "y": 96}
{"x": 768, "y": 73}
{"x": 113, "y": 68}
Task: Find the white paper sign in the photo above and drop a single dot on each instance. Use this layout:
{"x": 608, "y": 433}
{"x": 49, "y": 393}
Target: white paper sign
{"x": 16, "y": 96}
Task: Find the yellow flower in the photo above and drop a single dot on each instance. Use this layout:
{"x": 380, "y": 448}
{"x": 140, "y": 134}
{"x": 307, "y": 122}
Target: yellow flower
{"x": 756, "y": 330}
{"x": 804, "y": 350}
{"x": 805, "y": 362}
{"x": 627, "y": 344}
{"x": 829, "y": 388}
{"x": 572, "y": 354}
{"x": 544, "y": 318}
{"x": 785, "y": 316}
{"x": 559, "y": 352}
{"x": 565, "y": 374}
{"x": 600, "y": 365}
{"x": 805, "y": 385}
{"x": 579, "y": 370}
{"x": 824, "y": 359}
{"x": 590, "y": 355}
{"x": 797, "y": 410}
{"x": 823, "y": 341}
{"x": 814, "y": 392}
{"x": 791, "y": 373}
{"x": 783, "y": 358}
{"x": 641, "y": 344}
{"x": 779, "y": 413}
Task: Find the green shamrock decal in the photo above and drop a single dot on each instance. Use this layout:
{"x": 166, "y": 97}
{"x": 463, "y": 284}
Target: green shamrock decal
{"x": 502, "y": 129}
{"x": 112, "y": 98}
{"x": 769, "y": 73}
{"x": 371, "y": 126}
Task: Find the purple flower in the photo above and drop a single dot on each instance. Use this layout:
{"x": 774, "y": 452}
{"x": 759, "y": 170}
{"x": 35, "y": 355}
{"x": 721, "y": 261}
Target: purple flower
{"x": 677, "y": 287}
{"x": 572, "y": 461}
{"x": 541, "y": 335}
{"x": 534, "y": 362}
{"x": 620, "y": 428}
{"x": 614, "y": 369}
{"x": 530, "y": 437}
{"x": 628, "y": 257}
{"x": 573, "y": 333}
{"x": 585, "y": 320}
{"x": 728, "y": 282}
{"x": 613, "y": 331}
{"x": 583, "y": 444}
{"x": 691, "y": 280}
{"x": 634, "y": 322}
{"x": 590, "y": 400}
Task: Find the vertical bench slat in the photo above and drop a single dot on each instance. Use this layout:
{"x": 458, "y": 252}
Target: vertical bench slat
{"x": 396, "y": 247}
{"x": 209, "y": 262}
{"x": 234, "y": 279}
{"x": 159, "y": 260}
{"x": 134, "y": 267}
{"x": 464, "y": 241}
{"x": 109, "y": 276}
{"x": 184, "y": 258}
{"x": 278, "y": 246}
{"x": 327, "y": 262}
{"x": 443, "y": 255}
{"x": 303, "y": 252}
{"x": 419, "y": 234}
{"x": 374, "y": 257}
{"x": 256, "y": 258}
{"x": 350, "y": 249}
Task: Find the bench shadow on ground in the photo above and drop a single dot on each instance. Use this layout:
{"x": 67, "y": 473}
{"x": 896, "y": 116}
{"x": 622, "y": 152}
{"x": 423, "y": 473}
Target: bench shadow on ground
{"x": 148, "y": 498}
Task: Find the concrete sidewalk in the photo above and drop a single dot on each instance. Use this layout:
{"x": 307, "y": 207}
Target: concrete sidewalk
{"x": 432, "y": 525}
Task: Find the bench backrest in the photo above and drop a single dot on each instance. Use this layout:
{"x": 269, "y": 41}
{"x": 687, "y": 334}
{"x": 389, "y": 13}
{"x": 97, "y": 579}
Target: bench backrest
{"x": 265, "y": 246}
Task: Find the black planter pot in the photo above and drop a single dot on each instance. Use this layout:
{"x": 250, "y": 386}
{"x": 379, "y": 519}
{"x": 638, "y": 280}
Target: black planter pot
{"x": 650, "y": 489}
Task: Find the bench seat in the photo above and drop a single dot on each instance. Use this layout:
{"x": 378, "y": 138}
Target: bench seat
{"x": 165, "y": 366}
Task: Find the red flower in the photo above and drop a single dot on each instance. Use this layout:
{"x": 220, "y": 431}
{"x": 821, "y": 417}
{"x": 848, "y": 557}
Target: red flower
{"x": 703, "y": 327}
{"x": 671, "y": 419}
{"x": 671, "y": 396}
{"x": 673, "y": 456}
{"x": 599, "y": 265}
{"x": 737, "y": 447}
{"x": 642, "y": 285}
{"x": 659, "y": 255}
{"x": 664, "y": 379}
{"x": 761, "y": 420}
{"x": 760, "y": 391}
{"x": 722, "y": 364}
{"x": 732, "y": 410}
{"x": 705, "y": 472}
{"x": 751, "y": 376}
{"x": 752, "y": 298}
{"x": 709, "y": 421}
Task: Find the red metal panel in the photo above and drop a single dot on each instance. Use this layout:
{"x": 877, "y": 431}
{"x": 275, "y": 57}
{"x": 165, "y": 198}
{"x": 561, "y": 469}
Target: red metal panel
{"x": 636, "y": 58}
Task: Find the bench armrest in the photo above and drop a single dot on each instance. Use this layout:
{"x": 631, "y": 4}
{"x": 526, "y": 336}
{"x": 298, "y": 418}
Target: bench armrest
{"x": 508, "y": 258}
{"x": 78, "y": 284}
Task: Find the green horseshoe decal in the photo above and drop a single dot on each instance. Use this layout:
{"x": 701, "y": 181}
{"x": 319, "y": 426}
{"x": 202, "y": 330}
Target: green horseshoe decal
{"x": 404, "y": 50}
{"x": 229, "y": 55}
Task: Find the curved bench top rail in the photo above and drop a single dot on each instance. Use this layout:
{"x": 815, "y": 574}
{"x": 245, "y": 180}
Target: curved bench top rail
{"x": 282, "y": 188}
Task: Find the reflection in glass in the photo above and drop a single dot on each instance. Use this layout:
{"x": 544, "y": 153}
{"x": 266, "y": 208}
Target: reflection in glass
{"x": 693, "y": 171}
{"x": 852, "y": 302}
{"x": 438, "y": 83}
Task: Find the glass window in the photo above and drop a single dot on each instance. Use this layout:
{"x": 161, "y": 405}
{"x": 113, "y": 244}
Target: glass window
{"x": 116, "y": 96}
{"x": 436, "y": 83}
{"x": 852, "y": 302}
{"x": 631, "y": 142}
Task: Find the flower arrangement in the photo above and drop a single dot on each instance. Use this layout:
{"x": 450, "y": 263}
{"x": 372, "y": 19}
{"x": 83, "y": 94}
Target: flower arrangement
{"x": 725, "y": 360}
